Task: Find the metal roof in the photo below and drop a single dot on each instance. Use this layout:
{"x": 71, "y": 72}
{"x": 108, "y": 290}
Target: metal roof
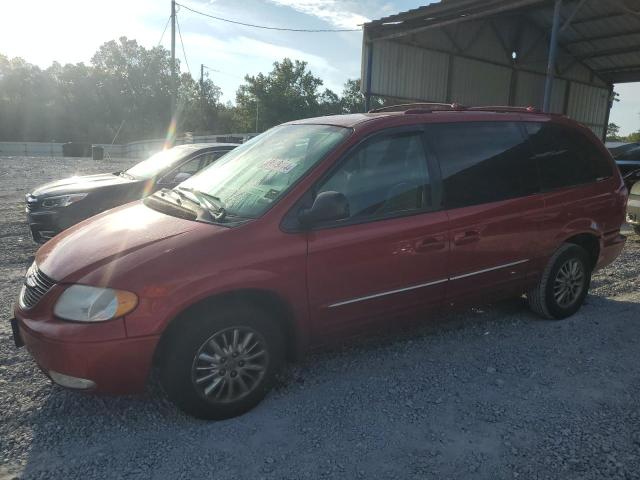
{"x": 603, "y": 35}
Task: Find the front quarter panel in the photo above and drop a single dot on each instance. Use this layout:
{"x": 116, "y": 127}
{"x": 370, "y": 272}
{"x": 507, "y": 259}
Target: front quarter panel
{"x": 174, "y": 275}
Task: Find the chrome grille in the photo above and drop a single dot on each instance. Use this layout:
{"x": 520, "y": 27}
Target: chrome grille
{"x": 36, "y": 285}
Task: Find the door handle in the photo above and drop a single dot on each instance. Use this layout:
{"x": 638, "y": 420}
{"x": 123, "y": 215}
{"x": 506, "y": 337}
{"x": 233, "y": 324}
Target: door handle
{"x": 430, "y": 244}
{"x": 466, "y": 238}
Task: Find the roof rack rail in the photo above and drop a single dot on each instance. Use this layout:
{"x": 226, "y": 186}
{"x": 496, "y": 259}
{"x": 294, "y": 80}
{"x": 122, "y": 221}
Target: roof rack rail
{"x": 426, "y": 107}
{"x": 498, "y": 109}
{"x": 420, "y": 107}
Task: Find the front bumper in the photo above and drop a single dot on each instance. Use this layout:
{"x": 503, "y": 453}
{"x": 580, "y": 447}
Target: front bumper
{"x": 44, "y": 225}
{"x": 118, "y": 366}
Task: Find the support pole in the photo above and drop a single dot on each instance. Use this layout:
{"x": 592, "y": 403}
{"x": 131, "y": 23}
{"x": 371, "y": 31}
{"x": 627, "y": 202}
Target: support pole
{"x": 553, "y": 53}
{"x": 173, "y": 59}
{"x": 367, "y": 91}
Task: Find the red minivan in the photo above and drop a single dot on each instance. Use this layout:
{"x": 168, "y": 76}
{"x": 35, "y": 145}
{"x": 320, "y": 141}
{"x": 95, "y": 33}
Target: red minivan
{"x": 316, "y": 230}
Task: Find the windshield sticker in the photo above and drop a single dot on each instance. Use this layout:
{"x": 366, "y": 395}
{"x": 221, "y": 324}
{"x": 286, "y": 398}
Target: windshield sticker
{"x": 272, "y": 194}
{"x": 280, "y": 165}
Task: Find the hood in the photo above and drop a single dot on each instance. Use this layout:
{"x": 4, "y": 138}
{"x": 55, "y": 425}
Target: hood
{"x": 82, "y": 184}
{"x": 107, "y": 237}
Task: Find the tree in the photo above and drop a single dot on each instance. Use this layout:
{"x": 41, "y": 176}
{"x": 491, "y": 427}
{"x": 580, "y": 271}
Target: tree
{"x": 353, "y": 99}
{"x": 25, "y": 96}
{"x": 288, "y": 92}
{"x": 634, "y": 137}
{"x": 88, "y": 103}
{"x": 613, "y": 132}
{"x": 134, "y": 84}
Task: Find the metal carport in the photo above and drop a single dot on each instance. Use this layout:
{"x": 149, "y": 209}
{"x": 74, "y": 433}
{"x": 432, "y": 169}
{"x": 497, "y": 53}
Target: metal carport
{"x": 563, "y": 56}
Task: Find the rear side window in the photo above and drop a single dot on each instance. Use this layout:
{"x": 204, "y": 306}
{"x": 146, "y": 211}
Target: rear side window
{"x": 483, "y": 162}
{"x": 387, "y": 175}
{"x": 566, "y": 157}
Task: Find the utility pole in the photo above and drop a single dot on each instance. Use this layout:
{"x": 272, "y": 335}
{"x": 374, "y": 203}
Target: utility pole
{"x": 173, "y": 61}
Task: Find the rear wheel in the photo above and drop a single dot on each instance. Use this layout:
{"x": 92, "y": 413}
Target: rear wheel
{"x": 636, "y": 228}
{"x": 564, "y": 283}
{"x": 222, "y": 364}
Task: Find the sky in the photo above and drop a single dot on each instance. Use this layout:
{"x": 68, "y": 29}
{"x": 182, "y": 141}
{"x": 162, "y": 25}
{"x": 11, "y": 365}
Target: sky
{"x": 70, "y": 31}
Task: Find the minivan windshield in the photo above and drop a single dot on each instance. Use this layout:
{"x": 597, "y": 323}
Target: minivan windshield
{"x": 158, "y": 162}
{"x": 249, "y": 179}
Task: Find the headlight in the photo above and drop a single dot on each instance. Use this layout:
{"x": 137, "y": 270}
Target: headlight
{"x": 62, "y": 200}
{"x": 82, "y": 303}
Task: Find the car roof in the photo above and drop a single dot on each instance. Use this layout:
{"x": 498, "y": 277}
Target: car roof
{"x": 435, "y": 116}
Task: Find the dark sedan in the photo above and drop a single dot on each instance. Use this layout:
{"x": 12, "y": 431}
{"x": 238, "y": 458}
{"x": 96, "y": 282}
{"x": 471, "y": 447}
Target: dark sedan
{"x": 58, "y": 205}
{"x": 627, "y": 158}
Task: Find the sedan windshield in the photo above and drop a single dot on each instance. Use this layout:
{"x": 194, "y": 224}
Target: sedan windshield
{"x": 157, "y": 163}
{"x": 249, "y": 179}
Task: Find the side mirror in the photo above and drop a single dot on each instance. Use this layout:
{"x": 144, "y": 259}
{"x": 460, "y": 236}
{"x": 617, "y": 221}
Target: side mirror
{"x": 328, "y": 206}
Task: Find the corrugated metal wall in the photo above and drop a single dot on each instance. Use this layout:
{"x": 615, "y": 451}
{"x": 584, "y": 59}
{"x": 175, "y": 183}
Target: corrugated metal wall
{"x": 474, "y": 82}
{"x": 409, "y": 72}
{"x": 471, "y": 65}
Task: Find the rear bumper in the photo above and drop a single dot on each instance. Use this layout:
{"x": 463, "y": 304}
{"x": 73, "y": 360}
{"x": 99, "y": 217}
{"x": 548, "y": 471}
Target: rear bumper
{"x": 633, "y": 210}
{"x": 612, "y": 245}
{"x": 119, "y": 366}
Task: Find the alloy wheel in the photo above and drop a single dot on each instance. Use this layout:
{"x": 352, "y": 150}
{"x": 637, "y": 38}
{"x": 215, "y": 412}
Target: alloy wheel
{"x": 569, "y": 283}
{"x": 230, "y": 365}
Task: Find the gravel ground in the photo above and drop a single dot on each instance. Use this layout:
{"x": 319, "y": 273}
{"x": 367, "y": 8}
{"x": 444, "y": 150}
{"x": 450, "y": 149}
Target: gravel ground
{"x": 493, "y": 392}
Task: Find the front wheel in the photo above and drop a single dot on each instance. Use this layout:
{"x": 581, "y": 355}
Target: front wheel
{"x": 564, "y": 283}
{"x": 222, "y": 363}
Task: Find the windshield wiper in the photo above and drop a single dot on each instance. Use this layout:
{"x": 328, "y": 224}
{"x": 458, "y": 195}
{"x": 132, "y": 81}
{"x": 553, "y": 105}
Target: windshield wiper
{"x": 126, "y": 175}
{"x": 211, "y": 202}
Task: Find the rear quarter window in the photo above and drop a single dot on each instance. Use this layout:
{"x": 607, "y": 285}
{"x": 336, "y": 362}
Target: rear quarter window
{"x": 566, "y": 157}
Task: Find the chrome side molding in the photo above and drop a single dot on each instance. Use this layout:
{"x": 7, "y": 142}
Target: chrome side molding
{"x": 428, "y": 284}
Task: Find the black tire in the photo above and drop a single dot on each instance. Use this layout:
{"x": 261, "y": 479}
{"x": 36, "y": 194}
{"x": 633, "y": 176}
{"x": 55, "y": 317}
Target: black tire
{"x": 542, "y": 298}
{"x": 636, "y": 228}
{"x": 179, "y": 365}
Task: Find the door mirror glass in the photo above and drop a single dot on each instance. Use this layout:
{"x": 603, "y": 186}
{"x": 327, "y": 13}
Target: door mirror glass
{"x": 328, "y": 206}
